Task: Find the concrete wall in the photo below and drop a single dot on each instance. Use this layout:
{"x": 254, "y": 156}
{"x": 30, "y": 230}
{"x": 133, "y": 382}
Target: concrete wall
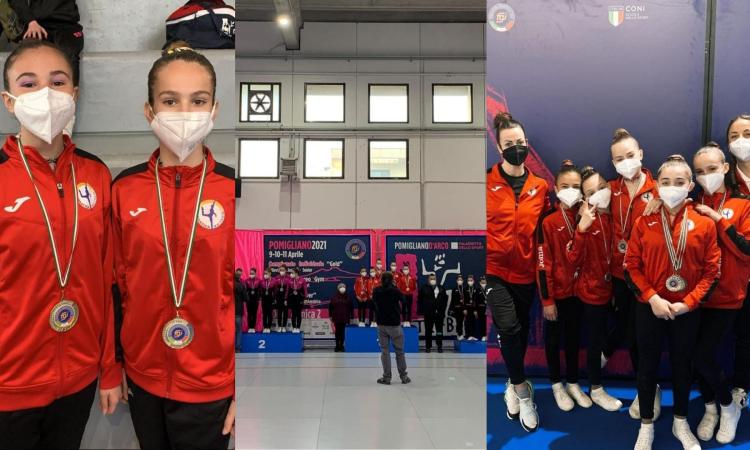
{"x": 445, "y": 189}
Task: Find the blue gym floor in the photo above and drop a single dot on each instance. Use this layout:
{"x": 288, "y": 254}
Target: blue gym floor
{"x": 592, "y": 428}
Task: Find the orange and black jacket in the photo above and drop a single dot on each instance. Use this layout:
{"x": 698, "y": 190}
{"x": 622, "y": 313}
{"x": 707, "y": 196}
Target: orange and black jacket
{"x": 555, "y": 273}
{"x": 647, "y": 264}
{"x": 204, "y": 370}
{"x": 733, "y": 230}
{"x": 511, "y": 226}
{"x": 589, "y": 251}
{"x": 38, "y": 364}
{"x": 619, "y": 208}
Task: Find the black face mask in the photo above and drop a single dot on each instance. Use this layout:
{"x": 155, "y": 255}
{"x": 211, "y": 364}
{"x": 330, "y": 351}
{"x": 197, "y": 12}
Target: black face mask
{"x": 237, "y": 276}
{"x": 516, "y": 154}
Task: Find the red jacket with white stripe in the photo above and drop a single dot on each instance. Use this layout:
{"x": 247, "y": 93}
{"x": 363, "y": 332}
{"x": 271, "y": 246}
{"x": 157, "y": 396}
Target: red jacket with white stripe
{"x": 589, "y": 251}
{"x": 204, "y": 370}
{"x": 37, "y": 363}
{"x": 555, "y": 273}
{"x": 733, "y": 230}
{"x": 647, "y": 264}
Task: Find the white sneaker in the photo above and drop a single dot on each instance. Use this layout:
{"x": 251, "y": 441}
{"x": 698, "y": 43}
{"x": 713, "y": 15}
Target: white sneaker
{"x": 563, "y": 400}
{"x": 577, "y": 394}
{"x": 606, "y": 401}
{"x": 250, "y": 330}
{"x": 511, "y": 402}
{"x": 472, "y": 338}
{"x": 740, "y": 397}
{"x": 361, "y": 324}
{"x": 295, "y": 330}
{"x": 460, "y": 338}
{"x": 373, "y": 324}
{"x": 645, "y": 437}
{"x": 635, "y": 409}
{"x": 708, "y": 423}
{"x": 604, "y": 360}
{"x": 407, "y": 324}
{"x": 681, "y": 430}
{"x": 730, "y": 417}
{"x": 266, "y": 330}
{"x": 528, "y": 416}
{"x": 484, "y": 339}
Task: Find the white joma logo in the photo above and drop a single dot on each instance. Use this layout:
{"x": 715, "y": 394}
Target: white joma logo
{"x": 137, "y": 212}
{"x": 652, "y": 223}
{"x": 496, "y": 188}
{"x": 17, "y": 204}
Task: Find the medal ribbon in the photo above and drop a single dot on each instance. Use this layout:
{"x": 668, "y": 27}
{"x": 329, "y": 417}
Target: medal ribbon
{"x": 177, "y": 298}
{"x": 62, "y": 278}
{"x": 675, "y": 256}
{"x": 567, "y": 222}
{"x": 624, "y": 224}
{"x": 606, "y": 246}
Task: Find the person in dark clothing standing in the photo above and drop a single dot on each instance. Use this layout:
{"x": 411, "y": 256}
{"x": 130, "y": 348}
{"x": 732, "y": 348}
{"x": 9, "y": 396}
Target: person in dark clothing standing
{"x": 267, "y": 294}
{"x": 240, "y": 298}
{"x": 457, "y": 306}
{"x": 56, "y": 21}
{"x": 252, "y": 284}
{"x": 470, "y": 301}
{"x": 387, "y": 301}
{"x": 340, "y": 311}
{"x": 433, "y": 300}
{"x": 480, "y": 311}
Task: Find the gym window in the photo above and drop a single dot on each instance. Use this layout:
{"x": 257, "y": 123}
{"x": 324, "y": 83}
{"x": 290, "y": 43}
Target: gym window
{"x": 259, "y": 158}
{"x": 452, "y": 103}
{"x": 388, "y": 159}
{"x": 324, "y": 158}
{"x": 324, "y": 103}
{"x": 388, "y": 103}
{"x": 260, "y": 102}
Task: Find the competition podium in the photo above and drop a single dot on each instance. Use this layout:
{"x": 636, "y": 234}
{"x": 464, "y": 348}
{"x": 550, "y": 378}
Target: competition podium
{"x": 272, "y": 342}
{"x": 365, "y": 340}
{"x": 465, "y": 346}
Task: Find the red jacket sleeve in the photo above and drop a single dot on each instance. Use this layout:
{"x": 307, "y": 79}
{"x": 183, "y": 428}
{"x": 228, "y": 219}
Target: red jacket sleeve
{"x": 576, "y": 249}
{"x": 545, "y": 265}
{"x": 634, "y": 273}
{"x": 710, "y": 273}
{"x": 735, "y": 236}
{"x": 110, "y": 370}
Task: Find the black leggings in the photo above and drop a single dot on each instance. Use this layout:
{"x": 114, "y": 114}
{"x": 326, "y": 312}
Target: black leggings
{"x": 340, "y": 333}
{"x": 510, "y": 306}
{"x": 624, "y": 329}
{"x": 295, "y": 305}
{"x": 406, "y": 311}
{"x": 568, "y": 323}
{"x": 742, "y": 347}
{"x": 267, "y": 305}
{"x": 252, "y": 313}
{"x": 597, "y": 317}
{"x": 650, "y": 333}
{"x": 715, "y": 326}
{"x": 282, "y": 312}
{"x": 362, "y": 308}
{"x": 480, "y": 321}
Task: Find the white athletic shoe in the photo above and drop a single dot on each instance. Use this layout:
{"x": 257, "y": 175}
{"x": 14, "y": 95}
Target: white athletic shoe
{"x": 606, "y": 401}
{"x": 266, "y": 330}
{"x": 407, "y": 324}
{"x": 295, "y": 330}
{"x": 529, "y": 417}
{"x": 708, "y": 423}
{"x": 373, "y": 324}
{"x": 361, "y": 324}
{"x": 563, "y": 400}
{"x": 511, "y": 402}
{"x": 472, "y": 338}
{"x": 604, "y": 360}
{"x": 635, "y": 409}
{"x": 740, "y": 397}
{"x": 577, "y": 394}
{"x": 681, "y": 430}
{"x": 484, "y": 338}
{"x": 460, "y": 338}
{"x": 645, "y": 437}
{"x": 730, "y": 417}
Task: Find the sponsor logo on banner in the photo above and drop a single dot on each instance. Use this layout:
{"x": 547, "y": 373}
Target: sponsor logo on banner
{"x": 356, "y": 249}
{"x": 501, "y": 17}
{"x": 619, "y": 14}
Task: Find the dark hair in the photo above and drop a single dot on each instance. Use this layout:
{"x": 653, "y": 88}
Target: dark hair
{"x": 179, "y": 51}
{"x": 386, "y": 279}
{"x": 504, "y": 121}
{"x": 731, "y": 179}
{"x": 268, "y": 270}
{"x": 586, "y": 173}
{"x": 252, "y": 269}
{"x": 283, "y": 266}
{"x": 621, "y": 134}
{"x": 33, "y": 44}
{"x": 567, "y": 167}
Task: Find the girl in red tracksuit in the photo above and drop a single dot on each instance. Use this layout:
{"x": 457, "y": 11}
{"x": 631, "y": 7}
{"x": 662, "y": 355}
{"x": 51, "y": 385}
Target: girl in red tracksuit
{"x": 738, "y": 179}
{"x": 174, "y": 251}
{"x": 372, "y": 283}
{"x": 672, "y": 266}
{"x": 362, "y": 293}
{"x": 296, "y": 298}
{"x": 591, "y": 251}
{"x": 731, "y": 212}
{"x": 56, "y": 317}
{"x": 561, "y": 308}
{"x": 516, "y": 199}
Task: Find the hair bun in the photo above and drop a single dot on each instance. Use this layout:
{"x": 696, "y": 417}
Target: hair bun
{"x": 676, "y": 157}
{"x": 567, "y": 163}
{"x": 176, "y": 46}
{"x": 621, "y": 133}
{"x": 503, "y": 118}
{"x": 587, "y": 171}
{"x": 712, "y": 144}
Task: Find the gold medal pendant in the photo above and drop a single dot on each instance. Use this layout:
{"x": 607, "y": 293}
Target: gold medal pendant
{"x": 622, "y": 246}
{"x": 64, "y": 316}
{"x": 676, "y": 283}
{"x": 177, "y": 333}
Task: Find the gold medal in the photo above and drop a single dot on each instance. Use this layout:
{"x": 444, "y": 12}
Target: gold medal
{"x": 177, "y": 333}
{"x": 63, "y": 316}
{"x": 675, "y": 283}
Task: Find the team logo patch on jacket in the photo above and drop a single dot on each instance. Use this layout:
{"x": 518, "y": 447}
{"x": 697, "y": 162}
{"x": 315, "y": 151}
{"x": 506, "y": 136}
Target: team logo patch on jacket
{"x": 211, "y": 214}
{"x": 86, "y": 195}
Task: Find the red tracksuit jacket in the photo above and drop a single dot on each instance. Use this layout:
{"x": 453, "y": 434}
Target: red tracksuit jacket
{"x": 362, "y": 288}
{"x": 619, "y": 208}
{"x": 511, "y": 226}
{"x": 204, "y": 370}
{"x": 733, "y": 230}
{"x": 555, "y": 273}
{"x": 647, "y": 264}
{"x": 407, "y": 284}
{"x": 38, "y": 364}
{"x": 298, "y": 285}
{"x": 589, "y": 252}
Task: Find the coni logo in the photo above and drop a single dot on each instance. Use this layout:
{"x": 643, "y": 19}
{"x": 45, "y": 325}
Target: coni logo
{"x": 619, "y": 14}
{"x": 501, "y": 17}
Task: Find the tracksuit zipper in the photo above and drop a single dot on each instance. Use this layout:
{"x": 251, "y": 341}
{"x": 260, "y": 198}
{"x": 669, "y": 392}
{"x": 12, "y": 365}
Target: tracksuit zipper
{"x": 63, "y": 256}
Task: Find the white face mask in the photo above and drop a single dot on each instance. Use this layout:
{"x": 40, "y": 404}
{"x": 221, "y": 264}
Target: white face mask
{"x": 252, "y": 276}
{"x": 44, "y": 112}
{"x": 460, "y": 283}
{"x": 181, "y": 132}
{"x": 379, "y": 266}
{"x": 372, "y": 274}
{"x": 342, "y": 289}
{"x": 711, "y": 182}
{"x": 293, "y": 275}
{"x": 600, "y": 199}
{"x": 628, "y": 168}
{"x": 406, "y": 271}
{"x": 282, "y": 273}
{"x": 483, "y": 285}
{"x": 569, "y": 196}
{"x": 673, "y": 195}
{"x": 740, "y": 148}
{"x": 393, "y": 268}
{"x": 363, "y": 274}
{"x": 471, "y": 283}
{"x": 433, "y": 282}
{"x": 265, "y": 277}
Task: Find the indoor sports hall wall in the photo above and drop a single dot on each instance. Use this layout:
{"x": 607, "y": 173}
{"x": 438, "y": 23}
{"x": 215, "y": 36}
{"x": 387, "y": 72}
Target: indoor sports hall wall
{"x": 602, "y": 77}
{"x": 445, "y": 187}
